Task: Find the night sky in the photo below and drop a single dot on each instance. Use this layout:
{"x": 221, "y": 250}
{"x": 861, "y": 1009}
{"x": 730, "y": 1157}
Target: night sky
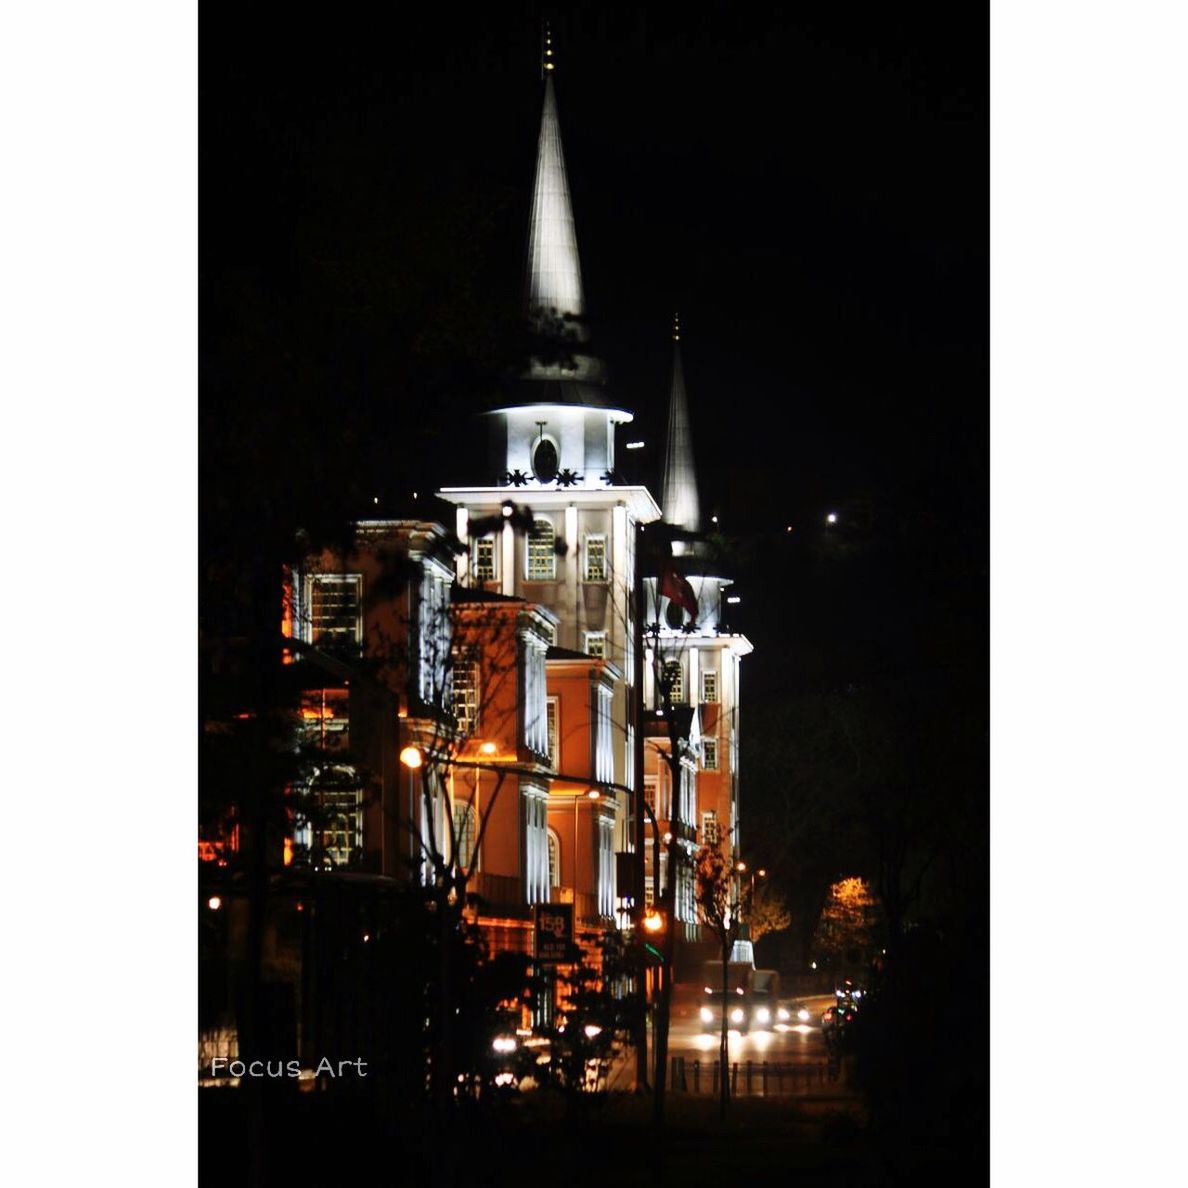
{"x": 810, "y": 190}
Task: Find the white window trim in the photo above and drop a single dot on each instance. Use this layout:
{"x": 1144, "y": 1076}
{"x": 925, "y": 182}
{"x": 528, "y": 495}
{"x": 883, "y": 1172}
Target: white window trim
{"x": 710, "y": 675}
{"x": 591, "y": 536}
{"x": 493, "y": 540}
{"x": 594, "y": 635}
{"x": 708, "y": 746}
{"x": 528, "y": 575}
{"x": 313, "y": 579}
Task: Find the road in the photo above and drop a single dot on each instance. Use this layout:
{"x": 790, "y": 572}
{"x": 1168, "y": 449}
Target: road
{"x": 799, "y": 1043}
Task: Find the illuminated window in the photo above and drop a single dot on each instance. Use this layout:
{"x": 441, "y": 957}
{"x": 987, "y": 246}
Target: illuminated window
{"x": 335, "y": 611}
{"x": 554, "y": 743}
{"x": 466, "y": 693}
{"x": 484, "y": 559}
{"x": 674, "y": 681}
{"x": 542, "y": 553}
{"x": 554, "y": 859}
{"x": 330, "y": 821}
{"x": 709, "y": 754}
{"x": 710, "y": 835}
{"x": 595, "y": 558}
{"x": 650, "y": 791}
{"x": 596, "y": 644}
{"x": 709, "y": 685}
{"x": 465, "y": 829}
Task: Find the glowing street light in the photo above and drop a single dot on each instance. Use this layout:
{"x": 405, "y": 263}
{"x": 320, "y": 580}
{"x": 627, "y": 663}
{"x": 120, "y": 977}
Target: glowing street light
{"x": 410, "y": 756}
{"x": 831, "y": 518}
{"x": 214, "y": 903}
{"x": 653, "y": 921}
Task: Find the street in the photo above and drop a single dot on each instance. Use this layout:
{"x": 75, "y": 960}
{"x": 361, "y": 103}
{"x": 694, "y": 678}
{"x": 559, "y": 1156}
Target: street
{"x": 800, "y": 1043}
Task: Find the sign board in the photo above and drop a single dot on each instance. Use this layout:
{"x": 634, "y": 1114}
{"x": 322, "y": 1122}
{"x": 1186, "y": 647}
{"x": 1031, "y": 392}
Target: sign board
{"x": 554, "y": 932}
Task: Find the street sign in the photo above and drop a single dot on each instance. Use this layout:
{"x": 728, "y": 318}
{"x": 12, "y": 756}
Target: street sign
{"x": 554, "y": 932}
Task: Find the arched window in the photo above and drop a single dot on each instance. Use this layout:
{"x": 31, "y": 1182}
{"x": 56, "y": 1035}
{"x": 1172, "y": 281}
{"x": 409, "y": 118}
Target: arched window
{"x": 554, "y": 859}
{"x": 466, "y": 829}
{"x": 542, "y": 552}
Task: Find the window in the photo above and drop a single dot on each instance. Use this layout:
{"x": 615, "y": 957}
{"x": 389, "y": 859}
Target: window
{"x": 596, "y": 644}
{"x": 606, "y": 867}
{"x": 709, "y": 828}
{"x": 465, "y": 829}
{"x": 650, "y": 791}
{"x": 549, "y": 632}
{"x": 433, "y": 640}
{"x": 542, "y": 553}
{"x": 551, "y": 712}
{"x": 554, "y": 859}
{"x": 709, "y": 685}
{"x": 595, "y": 558}
{"x": 545, "y": 460}
{"x": 466, "y": 693}
{"x": 674, "y": 681}
{"x": 484, "y": 559}
{"x": 332, "y": 829}
{"x": 335, "y": 611}
{"x": 709, "y": 754}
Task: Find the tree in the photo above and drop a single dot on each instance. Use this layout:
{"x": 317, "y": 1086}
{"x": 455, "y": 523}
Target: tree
{"x": 769, "y": 912}
{"x": 846, "y": 929}
{"x": 720, "y": 897}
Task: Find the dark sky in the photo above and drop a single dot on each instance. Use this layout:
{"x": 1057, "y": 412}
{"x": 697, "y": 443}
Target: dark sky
{"x": 809, "y": 189}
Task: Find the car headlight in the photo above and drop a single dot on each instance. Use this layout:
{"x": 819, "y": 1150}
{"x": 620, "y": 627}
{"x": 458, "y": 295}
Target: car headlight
{"x": 504, "y": 1043}
{"x": 707, "y": 1016}
{"x": 782, "y": 1015}
{"x": 803, "y": 1015}
{"x": 763, "y": 1015}
{"x": 737, "y": 1015}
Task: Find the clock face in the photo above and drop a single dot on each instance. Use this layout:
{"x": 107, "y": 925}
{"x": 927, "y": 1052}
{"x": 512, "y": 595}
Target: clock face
{"x": 545, "y": 461}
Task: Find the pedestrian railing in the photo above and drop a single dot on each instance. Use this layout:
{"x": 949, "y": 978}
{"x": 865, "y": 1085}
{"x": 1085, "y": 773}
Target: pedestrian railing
{"x": 757, "y": 1078}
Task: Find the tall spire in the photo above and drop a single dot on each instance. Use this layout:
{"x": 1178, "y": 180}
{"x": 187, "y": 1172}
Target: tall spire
{"x": 679, "y": 487}
{"x": 554, "y": 273}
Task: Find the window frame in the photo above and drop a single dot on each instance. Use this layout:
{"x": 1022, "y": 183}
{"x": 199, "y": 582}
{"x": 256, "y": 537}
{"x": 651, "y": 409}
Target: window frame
{"x": 529, "y": 541}
{"x": 605, "y": 576}
{"x": 493, "y": 576}
{"x": 709, "y": 676}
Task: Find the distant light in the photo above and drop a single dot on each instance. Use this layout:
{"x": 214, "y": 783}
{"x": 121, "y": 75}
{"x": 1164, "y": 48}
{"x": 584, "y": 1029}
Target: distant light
{"x": 375, "y": 499}
{"x": 653, "y": 921}
{"x": 507, "y": 511}
{"x": 789, "y": 528}
{"x": 488, "y": 748}
{"x": 411, "y": 757}
{"x": 366, "y": 937}
{"x": 414, "y": 494}
{"x": 503, "y": 1043}
{"x": 733, "y": 600}
{"x": 592, "y": 1030}
{"x": 814, "y": 965}
{"x": 713, "y": 519}
{"x": 635, "y": 445}
{"x": 743, "y": 867}
{"x": 594, "y": 794}
{"x": 831, "y": 518}
{"x": 214, "y": 903}
{"x": 667, "y": 838}
{"x": 762, "y": 873}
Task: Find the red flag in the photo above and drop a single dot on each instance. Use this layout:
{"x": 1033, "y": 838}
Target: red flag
{"x": 676, "y": 588}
